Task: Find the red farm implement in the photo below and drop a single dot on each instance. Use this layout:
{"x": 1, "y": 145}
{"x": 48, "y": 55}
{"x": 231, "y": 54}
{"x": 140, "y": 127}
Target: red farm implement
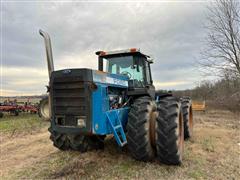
{"x": 13, "y": 108}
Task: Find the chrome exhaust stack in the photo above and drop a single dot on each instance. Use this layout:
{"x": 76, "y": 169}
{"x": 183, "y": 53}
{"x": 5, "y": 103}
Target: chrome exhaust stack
{"x": 48, "y": 47}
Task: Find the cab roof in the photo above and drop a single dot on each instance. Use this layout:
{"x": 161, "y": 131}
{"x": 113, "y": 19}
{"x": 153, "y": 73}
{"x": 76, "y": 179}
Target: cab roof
{"x": 132, "y": 51}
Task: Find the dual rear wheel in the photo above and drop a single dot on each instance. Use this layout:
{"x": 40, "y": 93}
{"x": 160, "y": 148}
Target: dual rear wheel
{"x": 187, "y": 117}
{"x": 157, "y": 129}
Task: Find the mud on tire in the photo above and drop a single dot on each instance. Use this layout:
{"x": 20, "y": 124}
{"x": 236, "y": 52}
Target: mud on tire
{"x": 138, "y": 128}
{"x": 187, "y": 117}
{"x": 169, "y": 131}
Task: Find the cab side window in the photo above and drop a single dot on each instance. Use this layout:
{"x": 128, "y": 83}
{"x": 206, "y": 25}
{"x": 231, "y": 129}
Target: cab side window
{"x": 148, "y": 75}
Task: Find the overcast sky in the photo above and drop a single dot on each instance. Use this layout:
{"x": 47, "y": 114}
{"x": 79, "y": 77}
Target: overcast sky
{"x": 171, "y": 32}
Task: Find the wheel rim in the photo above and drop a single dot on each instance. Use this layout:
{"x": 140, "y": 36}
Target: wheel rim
{"x": 190, "y": 121}
{"x": 180, "y": 135}
{"x": 45, "y": 110}
{"x": 152, "y": 127}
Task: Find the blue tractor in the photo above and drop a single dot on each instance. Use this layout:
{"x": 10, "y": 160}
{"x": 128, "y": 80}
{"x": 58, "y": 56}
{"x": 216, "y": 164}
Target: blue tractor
{"x": 118, "y": 99}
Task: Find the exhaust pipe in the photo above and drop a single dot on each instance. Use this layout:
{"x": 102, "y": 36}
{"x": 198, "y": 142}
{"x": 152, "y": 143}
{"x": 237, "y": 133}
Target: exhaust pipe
{"x": 48, "y": 47}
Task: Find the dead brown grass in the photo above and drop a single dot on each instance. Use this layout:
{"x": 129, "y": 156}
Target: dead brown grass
{"x": 213, "y": 153}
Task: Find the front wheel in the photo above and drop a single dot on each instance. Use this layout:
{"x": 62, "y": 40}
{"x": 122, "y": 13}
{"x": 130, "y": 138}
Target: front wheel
{"x": 170, "y": 131}
{"x": 141, "y": 118}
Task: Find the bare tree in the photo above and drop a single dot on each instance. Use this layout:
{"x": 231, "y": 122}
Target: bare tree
{"x": 222, "y": 55}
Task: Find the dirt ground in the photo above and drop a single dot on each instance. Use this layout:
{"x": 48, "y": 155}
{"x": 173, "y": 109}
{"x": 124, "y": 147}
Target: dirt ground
{"x": 213, "y": 153}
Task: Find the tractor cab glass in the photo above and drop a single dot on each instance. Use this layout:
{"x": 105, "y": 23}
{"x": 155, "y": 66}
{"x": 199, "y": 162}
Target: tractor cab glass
{"x": 136, "y": 68}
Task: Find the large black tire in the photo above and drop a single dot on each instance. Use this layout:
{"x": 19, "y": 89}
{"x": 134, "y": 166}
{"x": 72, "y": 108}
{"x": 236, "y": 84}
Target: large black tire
{"x": 43, "y": 110}
{"x": 187, "y": 117}
{"x": 80, "y": 143}
{"x": 169, "y": 129}
{"x": 83, "y": 143}
{"x": 60, "y": 141}
{"x": 138, "y": 128}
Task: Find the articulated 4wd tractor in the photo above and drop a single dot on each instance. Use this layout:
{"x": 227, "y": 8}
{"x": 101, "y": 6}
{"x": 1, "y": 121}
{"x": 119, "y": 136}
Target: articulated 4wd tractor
{"x": 119, "y": 98}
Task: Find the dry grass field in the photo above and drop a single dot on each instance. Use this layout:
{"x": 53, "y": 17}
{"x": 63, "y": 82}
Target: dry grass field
{"x": 27, "y": 153}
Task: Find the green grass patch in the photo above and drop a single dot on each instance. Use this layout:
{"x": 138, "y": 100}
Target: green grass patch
{"x": 196, "y": 174}
{"x": 196, "y": 169}
{"x": 208, "y": 144}
{"x": 23, "y": 122}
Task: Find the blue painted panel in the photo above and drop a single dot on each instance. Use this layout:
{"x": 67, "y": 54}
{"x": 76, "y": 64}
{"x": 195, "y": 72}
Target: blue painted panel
{"x": 110, "y": 79}
{"x": 100, "y": 105}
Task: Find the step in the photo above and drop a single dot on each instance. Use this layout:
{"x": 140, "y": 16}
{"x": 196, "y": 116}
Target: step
{"x": 118, "y": 126}
{"x": 112, "y": 116}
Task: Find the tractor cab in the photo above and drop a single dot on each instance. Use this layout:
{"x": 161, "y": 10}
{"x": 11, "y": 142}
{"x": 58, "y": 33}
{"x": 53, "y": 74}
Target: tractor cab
{"x": 131, "y": 63}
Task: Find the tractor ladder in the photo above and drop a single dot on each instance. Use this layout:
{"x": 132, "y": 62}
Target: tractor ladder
{"x": 116, "y": 127}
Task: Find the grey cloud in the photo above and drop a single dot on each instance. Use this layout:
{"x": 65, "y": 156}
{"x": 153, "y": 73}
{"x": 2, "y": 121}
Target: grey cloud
{"x": 171, "y": 32}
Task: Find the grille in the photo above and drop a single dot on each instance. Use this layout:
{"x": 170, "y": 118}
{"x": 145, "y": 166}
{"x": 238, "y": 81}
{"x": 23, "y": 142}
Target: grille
{"x": 70, "y": 97}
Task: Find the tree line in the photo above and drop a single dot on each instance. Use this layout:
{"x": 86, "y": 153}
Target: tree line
{"x": 223, "y": 93}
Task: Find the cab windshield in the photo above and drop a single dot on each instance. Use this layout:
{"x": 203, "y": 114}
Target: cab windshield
{"x": 124, "y": 65}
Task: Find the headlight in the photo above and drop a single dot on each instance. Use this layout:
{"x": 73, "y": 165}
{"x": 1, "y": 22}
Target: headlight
{"x": 81, "y": 122}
